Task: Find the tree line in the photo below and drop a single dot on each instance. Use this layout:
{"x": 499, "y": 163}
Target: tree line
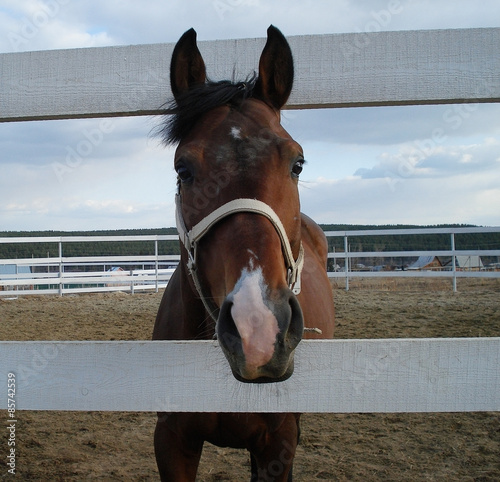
{"x": 427, "y": 242}
{"x": 97, "y": 248}
{"x": 410, "y": 242}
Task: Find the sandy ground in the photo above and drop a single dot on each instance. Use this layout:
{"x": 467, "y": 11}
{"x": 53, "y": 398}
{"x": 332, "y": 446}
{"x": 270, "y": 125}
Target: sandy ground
{"x": 71, "y": 446}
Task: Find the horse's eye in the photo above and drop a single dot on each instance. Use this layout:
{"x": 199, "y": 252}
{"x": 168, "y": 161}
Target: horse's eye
{"x": 297, "y": 167}
{"x": 183, "y": 174}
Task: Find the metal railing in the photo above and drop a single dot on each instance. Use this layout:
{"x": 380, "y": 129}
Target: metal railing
{"x": 453, "y": 270}
{"x": 82, "y": 274}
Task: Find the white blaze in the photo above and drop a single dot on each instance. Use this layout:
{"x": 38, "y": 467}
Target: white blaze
{"x": 235, "y": 132}
{"x": 255, "y": 322}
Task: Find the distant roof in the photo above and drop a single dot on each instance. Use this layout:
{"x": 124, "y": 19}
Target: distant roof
{"x": 14, "y": 269}
{"x": 469, "y": 262}
{"x": 422, "y": 262}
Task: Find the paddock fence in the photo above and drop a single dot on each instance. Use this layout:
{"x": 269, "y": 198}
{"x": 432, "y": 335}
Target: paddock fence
{"x": 62, "y": 274}
{"x": 452, "y": 267}
{"x": 345, "y": 70}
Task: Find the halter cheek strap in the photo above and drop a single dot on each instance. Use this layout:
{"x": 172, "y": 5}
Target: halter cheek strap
{"x": 191, "y": 238}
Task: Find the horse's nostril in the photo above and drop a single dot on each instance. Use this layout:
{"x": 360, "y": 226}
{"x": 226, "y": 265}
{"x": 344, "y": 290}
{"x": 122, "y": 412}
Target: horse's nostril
{"x": 296, "y": 327}
{"x": 227, "y": 332}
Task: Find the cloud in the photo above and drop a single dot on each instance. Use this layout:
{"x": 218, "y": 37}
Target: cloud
{"x": 50, "y": 24}
{"x": 464, "y": 198}
{"x": 394, "y": 125}
{"x": 72, "y": 174}
{"x": 412, "y": 164}
{"x": 47, "y": 213}
{"x": 45, "y": 25}
{"x": 414, "y": 161}
{"x": 428, "y": 14}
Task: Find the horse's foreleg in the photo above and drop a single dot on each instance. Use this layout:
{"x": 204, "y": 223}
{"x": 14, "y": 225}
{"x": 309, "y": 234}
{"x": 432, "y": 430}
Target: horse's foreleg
{"x": 265, "y": 474}
{"x": 176, "y": 457}
{"x": 275, "y": 468}
{"x": 274, "y": 462}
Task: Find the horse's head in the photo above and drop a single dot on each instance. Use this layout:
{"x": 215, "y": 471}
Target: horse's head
{"x": 238, "y": 210}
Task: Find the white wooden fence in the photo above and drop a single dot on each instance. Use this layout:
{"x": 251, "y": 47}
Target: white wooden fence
{"x": 369, "y": 69}
{"x": 450, "y": 272}
{"x": 63, "y": 274}
{"x": 399, "y": 375}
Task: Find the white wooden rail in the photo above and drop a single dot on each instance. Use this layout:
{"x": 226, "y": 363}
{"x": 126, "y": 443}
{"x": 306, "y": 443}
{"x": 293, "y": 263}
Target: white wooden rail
{"x": 362, "y": 69}
{"x": 365, "y": 69}
{"x": 398, "y": 375}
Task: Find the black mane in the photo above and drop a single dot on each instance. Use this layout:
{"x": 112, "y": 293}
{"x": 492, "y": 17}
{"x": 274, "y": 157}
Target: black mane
{"x": 181, "y": 113}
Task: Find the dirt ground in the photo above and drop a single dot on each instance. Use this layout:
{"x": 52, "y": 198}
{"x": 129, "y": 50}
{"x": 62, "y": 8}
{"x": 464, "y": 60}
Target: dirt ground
{"x": 73, "y": 446}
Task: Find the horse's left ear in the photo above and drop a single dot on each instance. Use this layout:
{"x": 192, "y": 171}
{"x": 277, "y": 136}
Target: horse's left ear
{"x": 275, "y": 80}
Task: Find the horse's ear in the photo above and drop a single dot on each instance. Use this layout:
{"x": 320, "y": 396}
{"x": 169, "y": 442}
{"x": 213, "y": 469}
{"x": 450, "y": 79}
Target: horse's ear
{"x": 275, "y": 80}
{"x": 187, "y": 68}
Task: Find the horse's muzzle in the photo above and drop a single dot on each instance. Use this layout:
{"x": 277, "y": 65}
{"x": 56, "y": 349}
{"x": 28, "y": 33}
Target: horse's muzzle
{"x": 259, "y": 339}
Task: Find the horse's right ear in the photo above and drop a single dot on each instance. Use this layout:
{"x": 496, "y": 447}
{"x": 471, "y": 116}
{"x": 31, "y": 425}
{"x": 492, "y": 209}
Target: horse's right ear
{"x": 187, "y": 68}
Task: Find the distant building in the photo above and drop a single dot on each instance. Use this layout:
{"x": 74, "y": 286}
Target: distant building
{"x": 426, "y": 262}
{"x": 10, "y": 272}
{"x": 469, "y": 263}
{"x": 116, "y": 271}
{"x": 462, "y": 263}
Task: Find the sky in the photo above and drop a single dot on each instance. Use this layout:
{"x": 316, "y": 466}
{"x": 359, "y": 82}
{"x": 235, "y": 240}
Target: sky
{"x": 375, "y": 165}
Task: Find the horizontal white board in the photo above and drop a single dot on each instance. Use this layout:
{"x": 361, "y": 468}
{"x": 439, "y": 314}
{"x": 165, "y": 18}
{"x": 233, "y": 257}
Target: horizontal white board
{"x": 87, "y": 239}
{"x": 354, "y": 69}
{"x": 412, "y": 231}
{"x": 419, "y": 273}
{"x": 391, "y": 375}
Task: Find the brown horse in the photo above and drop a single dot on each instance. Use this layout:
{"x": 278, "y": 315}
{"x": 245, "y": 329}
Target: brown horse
{"x": 252, "y": 271}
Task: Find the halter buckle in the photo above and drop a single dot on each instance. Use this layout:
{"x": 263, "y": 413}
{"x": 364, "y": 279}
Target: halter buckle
{"x": 191, "y": 263}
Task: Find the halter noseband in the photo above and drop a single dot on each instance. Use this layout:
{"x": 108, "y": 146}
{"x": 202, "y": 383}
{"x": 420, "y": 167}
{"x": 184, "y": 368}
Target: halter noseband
{"x": 191, "y": 238}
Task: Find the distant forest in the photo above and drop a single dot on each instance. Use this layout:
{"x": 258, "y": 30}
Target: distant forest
{"x": 413, "y": 242}
{"x": 99, "y": 248}
{"x": 430, "y": 242}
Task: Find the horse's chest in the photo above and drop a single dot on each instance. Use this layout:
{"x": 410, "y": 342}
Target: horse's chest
{"x": 243, "y": 430}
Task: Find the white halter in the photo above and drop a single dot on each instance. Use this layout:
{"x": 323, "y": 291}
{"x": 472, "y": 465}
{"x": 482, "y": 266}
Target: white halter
{"x": 191, "y": 238}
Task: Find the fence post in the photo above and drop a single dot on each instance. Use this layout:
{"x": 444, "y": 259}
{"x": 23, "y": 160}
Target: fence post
{"x": 156, "y": 265}
{"x": 346, "y": 263}
{"x": 453, "y": 262}
{"x": 60, "y": 269}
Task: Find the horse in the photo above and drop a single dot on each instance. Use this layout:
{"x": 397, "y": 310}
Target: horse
{"x": 252, "y": 272}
